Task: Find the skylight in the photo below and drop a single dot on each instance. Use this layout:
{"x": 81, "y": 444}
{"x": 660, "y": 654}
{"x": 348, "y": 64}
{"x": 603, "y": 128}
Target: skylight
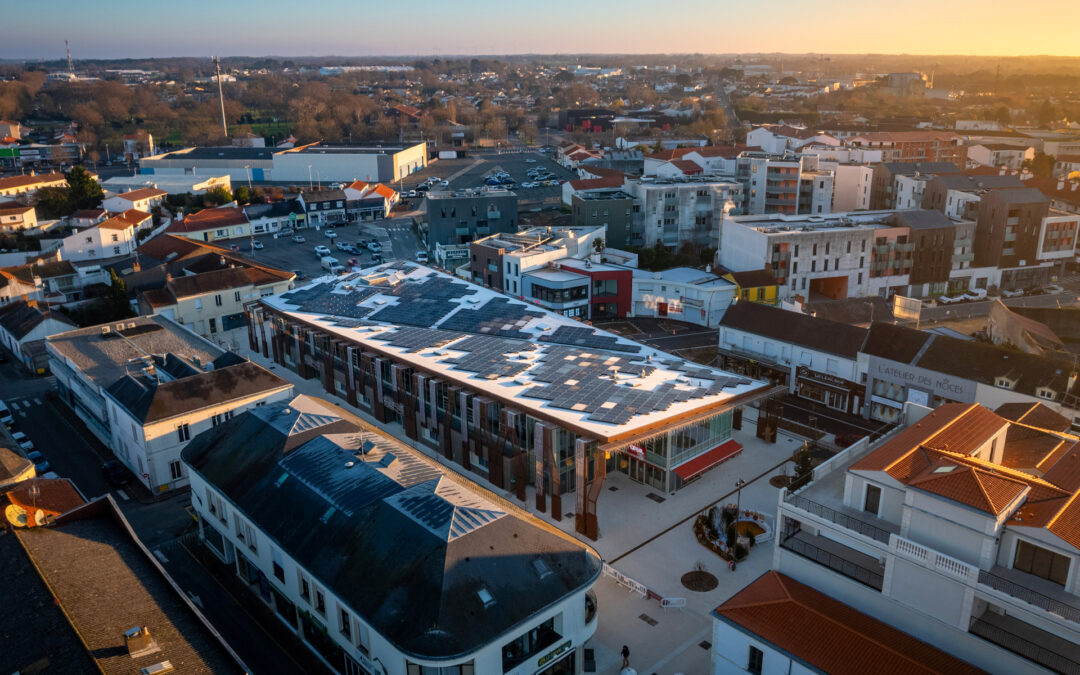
{"x": 944, "y": 469}
{"x": 542, "y": 570}
{"x": 485, "y": 596}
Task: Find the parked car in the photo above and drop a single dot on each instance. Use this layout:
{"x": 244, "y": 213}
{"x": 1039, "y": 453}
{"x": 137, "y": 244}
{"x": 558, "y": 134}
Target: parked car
{"x": 347, "y": 247}
{"x": 434, "y": 179}
{"x": 298, "y": 238}
{"x": 1054, "y": 289}
{"x": 5, "y": 415}
{"x": 235, "y": 248}
{"x": 1011, "y": 294}
{"x": 376, "y": 259}
{"x": 41, "y": 465}
{"x": 330, "y": 234}
{"x": 115, "y": 473}
{"x": 257, "y": 245}
{"x": 411, "y": 193}
{"x": 374, "y": 246}
{"x": 530, "y": 160}
{"x": 421, "y": 256}
{"x": 422, "y": 188}
{"x": 444, "y": 183}
{"x": 24, "y": 442}
{"x": 322, "y": 251}
{"x": 299, "y": 274}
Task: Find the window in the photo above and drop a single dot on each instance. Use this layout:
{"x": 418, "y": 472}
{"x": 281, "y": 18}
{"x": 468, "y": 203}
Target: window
{"x": 89, "y": 240}
{"x": 116, "y": 250}
{"x": 755, "y": 660}
{"x": 1041, "y": 562}
{"x": 217, "y": 300}
{"x": 344, "y": 622}
{"x": 320, "y": 602}
{"x": 849, "y": 247}
{"x": 795, "y": 267}
{"x": 872, "y": 503}
{"x": 279, "y": 565}
{"x": 814, "y": 250}
{"x": 183, "y": 432}
{"x": 198, "y": 303}
{"x": 305, "y": 587}
{"x": 115, "y": 238}
{"x": 175, "y": 472}
{"x": 236, "y": 296}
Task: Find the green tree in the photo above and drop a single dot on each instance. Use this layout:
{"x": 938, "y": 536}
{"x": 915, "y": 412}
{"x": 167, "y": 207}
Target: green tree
{"x": 1002, "y": 114}
{"x": 84, "y": 191}
{"x": 1042, "y": 166}
{"x": 53, "y": 202}
{"x": 216, "y": 196}
{"x": 117, "y": 298}
{"x": 241, "y": 195}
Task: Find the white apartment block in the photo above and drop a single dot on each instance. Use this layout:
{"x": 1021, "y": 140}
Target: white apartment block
{"x": 958, "y": 528}
{"x": 108, "y": 239}
{"x": 677, "y": 211}
{"x": 851, "y": 186}
{"x": 146, "y": 386}
{"x": 380, "y": 561}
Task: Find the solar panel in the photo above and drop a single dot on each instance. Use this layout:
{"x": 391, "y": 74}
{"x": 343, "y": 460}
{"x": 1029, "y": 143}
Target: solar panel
{"x": 422, "y": 302}
{"x": 497, "y": 316}
{"x": 415, "y": 339}
{"x": 587, "y": 337}
{"x": 488, "y": 356}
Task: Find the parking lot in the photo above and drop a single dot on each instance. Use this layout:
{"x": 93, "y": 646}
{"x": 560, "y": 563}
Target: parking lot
{"x": 396, "y": 237}
{"x": 470, "y": 173}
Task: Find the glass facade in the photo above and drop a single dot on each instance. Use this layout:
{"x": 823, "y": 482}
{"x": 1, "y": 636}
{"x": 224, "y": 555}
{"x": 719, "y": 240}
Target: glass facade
{"x": 651, "y": 461}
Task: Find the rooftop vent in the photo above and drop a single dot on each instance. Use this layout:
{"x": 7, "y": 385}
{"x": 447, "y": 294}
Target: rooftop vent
{"x": 485, "y": 596}
{"x": 157, "y": 669}
{"x": 542, "y": 570}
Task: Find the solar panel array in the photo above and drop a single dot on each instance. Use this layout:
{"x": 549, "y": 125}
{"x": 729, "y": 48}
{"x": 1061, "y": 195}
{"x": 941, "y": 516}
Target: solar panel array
{"x": 423, "y": 302}
{"x": 319, "y": 299}
{"x": 497, "y": 316}
{"x": 488, "y": 357}
{"x": 587, "y": 337}
{"x": 415, "y": 339}
{"x": 560, "y": 363}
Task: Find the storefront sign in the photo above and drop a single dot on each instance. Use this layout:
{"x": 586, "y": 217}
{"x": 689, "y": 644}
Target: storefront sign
{"x": 939, "y": 384}
{"x": 805, "y": 373}
{"x": 554, "y": 654}
{"x": 636, "y": 451}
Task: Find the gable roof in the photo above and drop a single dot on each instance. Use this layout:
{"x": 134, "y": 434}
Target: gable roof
{"x": 116, "y": 223}
{"x": 150, "y": 400}
{"x": 20, "y": 318}
{"x": 142, "y": 193}
{"x": 969, "y": 485}
{"x": 208, "y": 282}
{"x": 829, "y": 636}
{"x": 753, "y": 278}
{"x": 823, "y": 335}
{"x": 134, "y": 216}
{"x": 1035, "y": 415}
{"x": 28, "y": 181}
{"x": 208, "y": 219}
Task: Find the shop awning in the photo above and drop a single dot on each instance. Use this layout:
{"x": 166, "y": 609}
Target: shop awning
{"x": 708, "y": 460}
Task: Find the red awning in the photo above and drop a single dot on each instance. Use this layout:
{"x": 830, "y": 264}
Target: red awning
{"x": 708, "y": 460}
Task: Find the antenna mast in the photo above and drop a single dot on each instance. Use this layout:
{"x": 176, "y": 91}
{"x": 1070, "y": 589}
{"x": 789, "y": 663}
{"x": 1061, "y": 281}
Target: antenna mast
{"x": 71, "y": 66}
{"x": 221, "y": 96}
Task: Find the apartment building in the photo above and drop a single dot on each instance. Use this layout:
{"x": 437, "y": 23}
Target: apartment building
{"x": 306, "y": 501}
{"x": 614, "y": 211}
{"x": 958, "y": 528}
{"x": 213, "y": 301}
{"x": 503, "y": 388}
{"x": 1008, "y": 223}
{"x": 1006, "y": 155}
{"x": 110, "y": 238}
{"x": 914, "y": 146}
{"x": 143, "y": 199}
{"x": 783, "y": 184}
{"x": 779, "y": 138}
{"x": 146, "y": 386}
{"x": 461, "y": 216}
{"x": 677, "y": 211}
{"x": 896, "y": 183}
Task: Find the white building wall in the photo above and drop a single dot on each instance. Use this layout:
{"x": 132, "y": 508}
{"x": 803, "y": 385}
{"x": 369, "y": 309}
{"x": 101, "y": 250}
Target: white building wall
{"x": 851, "y": 187}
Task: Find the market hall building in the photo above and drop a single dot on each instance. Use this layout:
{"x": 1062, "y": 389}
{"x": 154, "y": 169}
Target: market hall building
{"x": 516, "y": 394}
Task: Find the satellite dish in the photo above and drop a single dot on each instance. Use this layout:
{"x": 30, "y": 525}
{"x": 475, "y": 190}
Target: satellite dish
{"x": 39, "y": 517}
{"x": 16, "y": 515}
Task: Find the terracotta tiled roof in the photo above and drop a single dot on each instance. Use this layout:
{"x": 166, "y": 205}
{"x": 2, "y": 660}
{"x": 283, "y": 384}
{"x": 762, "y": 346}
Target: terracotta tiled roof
{"x": 134, "y": 216}
{"x": 89, "y": 214}
{"x": 828, "y": 635}
{"x": 1030, "y": 449}
{"x": 688, "y": 166}
{"x": 967, "y": 432}
{"x": 384, "y": 191}
{"x": 968, "y": 485}
{"x": 115, "y": 223}
{"x": 158, "y": 297}
{"x": 597, "y": 183}
{"x": 1049, "y": 187}
{"x": 668, "y": 155}
{"x": 727, "y": 151}
{"x": 753, "y": 278}
{"x": 143, "y": 193}
{"x": 906, "y": 136}
{"x": 908, "y": 441}
{"x": 1037, "y": 415}
{"x": 209, "y": 219}
{"x": 27, "y": 181}
{"x": 358, "y": 185}
{"x": 14, "y": 210}
{"x": 1064, "y": 468}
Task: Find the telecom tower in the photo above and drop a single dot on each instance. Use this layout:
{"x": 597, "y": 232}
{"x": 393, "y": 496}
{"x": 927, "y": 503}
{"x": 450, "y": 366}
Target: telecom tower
{"x": 71, "y": 65}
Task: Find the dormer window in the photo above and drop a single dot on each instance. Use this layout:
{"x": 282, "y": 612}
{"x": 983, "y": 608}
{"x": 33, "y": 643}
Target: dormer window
{"x": 1004, "y": 383}
{"x": 1046, "y": 393}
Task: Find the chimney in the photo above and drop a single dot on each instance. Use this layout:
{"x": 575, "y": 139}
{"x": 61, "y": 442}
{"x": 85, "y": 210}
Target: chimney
{"x": 168, "y": 277}
{"x": 222, "y": 261}
{"x": 139, "y": 642}
{"x": 1061, "y": 184}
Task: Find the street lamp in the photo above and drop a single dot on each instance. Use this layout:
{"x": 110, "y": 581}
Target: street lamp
{"x": 248, "y": 167}
{"x": 309, "y": 184}
{"x": 738, "y": 499}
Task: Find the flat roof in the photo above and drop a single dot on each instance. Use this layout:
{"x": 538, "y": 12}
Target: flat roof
{"x": 773, "y": 223}
{"x": 552, "y": 274}
{"x": 353, "y": 150}
{"x": 594, "y": 381}
{"x": 219, "y": 152}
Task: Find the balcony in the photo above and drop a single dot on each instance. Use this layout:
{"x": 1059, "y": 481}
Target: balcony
{"x": 1010, "y": 236}
{"x": 883, "y": 249}
{"x": 1023, "y": 639}
{"x": 841, "y": 559}
{"x": 1045, "y": 595}
{"x": 962, "y": 243}
{"x": 906, "y": 248}
{"x": 963, "y": 257}
{"x": 844, "y": 520}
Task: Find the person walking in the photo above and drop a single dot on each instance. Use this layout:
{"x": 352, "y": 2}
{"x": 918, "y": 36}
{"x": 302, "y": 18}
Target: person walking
{"x": 625, "y": 656}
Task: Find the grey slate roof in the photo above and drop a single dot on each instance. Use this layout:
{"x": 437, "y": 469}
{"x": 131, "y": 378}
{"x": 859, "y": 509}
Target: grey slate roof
{"x": 912, "y": 168}
{"x": 103, "y": 357}
{"x": 150, "y": 400}
{"x": 972, "y": 183}
{"x": 1025, "y": 195}
{"x": 796, "y": 328}
{"x": 923, "y": 219}
{"x": 18, "y": 319}
{"x": 106, "y": 585}
{"x": 403, "y": 542}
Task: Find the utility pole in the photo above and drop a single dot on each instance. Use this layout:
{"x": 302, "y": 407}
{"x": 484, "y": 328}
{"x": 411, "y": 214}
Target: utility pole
{"x": 71, "y": 64}
{"x": 221, "y": 95}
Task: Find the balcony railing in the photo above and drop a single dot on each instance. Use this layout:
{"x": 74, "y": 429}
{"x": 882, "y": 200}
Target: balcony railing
{"x": 841, "y": 519}
{"x": 963, "y": 257}
{"x": 1025, "y": 648}
{"x": 834, "y": 562}
{"x": 908, "y": 247}
{"x": 1032, "y": 597}
{"x": 882, "y": 249}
